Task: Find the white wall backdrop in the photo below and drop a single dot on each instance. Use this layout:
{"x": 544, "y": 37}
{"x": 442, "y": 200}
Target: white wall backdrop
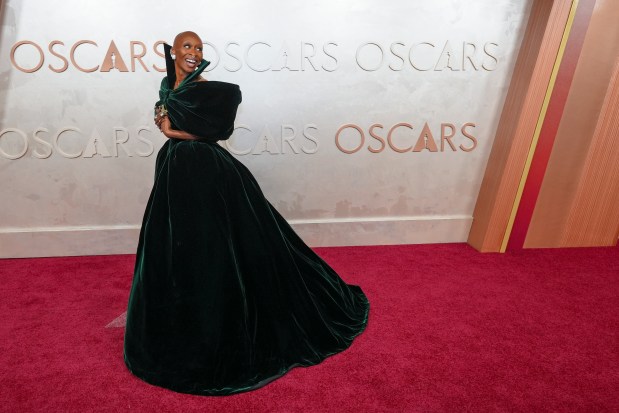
{"x": 77, "y": 142}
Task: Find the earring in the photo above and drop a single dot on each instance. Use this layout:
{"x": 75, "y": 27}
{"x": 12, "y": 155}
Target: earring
{"x": 173, "y": 56}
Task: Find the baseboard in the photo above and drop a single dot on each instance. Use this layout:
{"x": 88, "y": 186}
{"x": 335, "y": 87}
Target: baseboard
{"x": 107, "y": 240}
{"x": 426, "y": 229}
{"x": 68, "y": 241}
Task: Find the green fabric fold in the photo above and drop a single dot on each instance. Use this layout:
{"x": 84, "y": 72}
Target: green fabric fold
{"x": 206, "y": 109}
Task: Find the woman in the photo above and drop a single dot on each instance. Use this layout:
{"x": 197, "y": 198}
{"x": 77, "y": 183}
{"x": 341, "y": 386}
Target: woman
{"x": 225, "y": 296}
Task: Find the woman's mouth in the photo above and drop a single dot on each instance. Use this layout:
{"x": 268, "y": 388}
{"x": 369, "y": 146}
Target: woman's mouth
{"x": 191, "y": 62}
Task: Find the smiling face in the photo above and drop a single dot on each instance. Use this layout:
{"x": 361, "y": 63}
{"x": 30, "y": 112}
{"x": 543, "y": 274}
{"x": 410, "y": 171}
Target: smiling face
{"x": 188, "y": 50}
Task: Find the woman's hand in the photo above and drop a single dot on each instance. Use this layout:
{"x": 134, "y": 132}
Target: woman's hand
{"x": 158, "y": 117}
{"x": 165, "y": 126}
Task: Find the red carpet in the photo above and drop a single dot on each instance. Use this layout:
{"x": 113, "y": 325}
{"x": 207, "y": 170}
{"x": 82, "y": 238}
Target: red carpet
{"x": 450, "y": 330}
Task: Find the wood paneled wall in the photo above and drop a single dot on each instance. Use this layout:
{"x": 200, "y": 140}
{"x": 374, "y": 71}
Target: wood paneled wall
{"x": 593, "y": 218}
{"x": 518, "y": 123}
{"x": 572, "y": 199}
{"x": 577, "y": 203}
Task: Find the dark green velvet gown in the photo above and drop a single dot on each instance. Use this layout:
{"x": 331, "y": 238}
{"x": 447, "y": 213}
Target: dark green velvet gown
{"x": 226, "y": 297}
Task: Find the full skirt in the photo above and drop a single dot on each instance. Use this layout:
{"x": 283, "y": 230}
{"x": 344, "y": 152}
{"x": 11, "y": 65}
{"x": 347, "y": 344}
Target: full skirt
{"x": 226, "y": 297}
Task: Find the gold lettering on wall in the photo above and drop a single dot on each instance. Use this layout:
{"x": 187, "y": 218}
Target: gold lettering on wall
{"x": 37, "y": 47}
{"x": 390, "y": 141}
{"x": 469, "y": 136}
{"x": 135, "y": 56}
{"x": 447, "y": 138}
{"x": 378, "y": 138}
{"x": 425, "y": 140}
{"x": 65, "y": 62}
{"x": 337, "y": 138}
{"x": 72, "y": 56}
{"x": 113, "y": 60}
{"x": 159, "y": 53}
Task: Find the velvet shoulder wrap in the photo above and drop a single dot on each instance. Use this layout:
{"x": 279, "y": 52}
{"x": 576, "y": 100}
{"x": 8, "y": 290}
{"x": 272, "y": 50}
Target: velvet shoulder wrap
{"x": 203, "y": 108}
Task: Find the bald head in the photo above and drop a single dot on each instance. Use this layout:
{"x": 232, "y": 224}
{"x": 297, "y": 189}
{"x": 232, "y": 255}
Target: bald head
{"x": 183, "y": 35}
